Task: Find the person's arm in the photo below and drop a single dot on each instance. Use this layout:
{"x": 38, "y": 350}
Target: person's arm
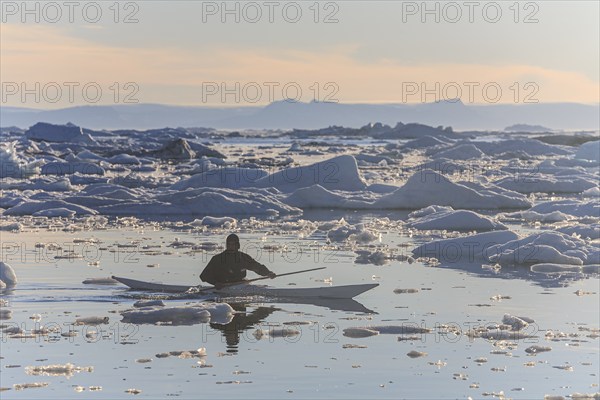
{"x": 255, "y": 266}
{"x": 208, "y": 275}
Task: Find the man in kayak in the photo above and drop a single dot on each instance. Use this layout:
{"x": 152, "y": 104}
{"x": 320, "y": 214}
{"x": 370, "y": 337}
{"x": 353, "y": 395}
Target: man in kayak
{"x": 231, "y": 265}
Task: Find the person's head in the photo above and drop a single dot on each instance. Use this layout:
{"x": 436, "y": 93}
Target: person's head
{"x": 232, "y": 242}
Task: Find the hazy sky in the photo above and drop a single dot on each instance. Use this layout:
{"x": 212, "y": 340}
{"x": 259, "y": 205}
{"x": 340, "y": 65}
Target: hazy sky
{"x": 181, "y": 52}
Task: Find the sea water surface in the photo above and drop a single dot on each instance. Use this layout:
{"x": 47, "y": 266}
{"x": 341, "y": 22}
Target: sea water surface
{"x": 318, "y": 363}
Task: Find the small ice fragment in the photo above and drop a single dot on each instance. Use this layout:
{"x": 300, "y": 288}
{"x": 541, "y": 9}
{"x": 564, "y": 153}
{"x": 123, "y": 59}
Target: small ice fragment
{"x": 537, "y": 349}
{"x": 21, "y": 386}
{"x": 79, "y": 389}
{"x": 460, "y": 377}
{"x": 517, "y": 323}
{"x": 408, "y": 338}
{"x": 148, "y": 303}
{"x": 585, "y": 396}
{"x": 416, "y": 354}
{"x": 401, "y": 291}
{"x": 481, "y": 360}
{"x": 91, "y": 321}
{"x": 565, "y": 367}
{"x": 143, "y": 360}
{"x": 353, "y": 346}
{"x": 133, "y": 391}
{"x": 156, "y": 265}
{"x": 438, "y": 363}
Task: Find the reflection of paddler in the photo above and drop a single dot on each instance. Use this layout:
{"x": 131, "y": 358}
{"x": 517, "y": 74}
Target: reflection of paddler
{"x": 241, "y": 321}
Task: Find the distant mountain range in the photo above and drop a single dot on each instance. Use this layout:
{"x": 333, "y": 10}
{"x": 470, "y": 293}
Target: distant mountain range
{"x": 288, "y": 115}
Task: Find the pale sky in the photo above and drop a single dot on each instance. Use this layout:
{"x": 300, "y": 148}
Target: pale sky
{"x": 181, "y": 53}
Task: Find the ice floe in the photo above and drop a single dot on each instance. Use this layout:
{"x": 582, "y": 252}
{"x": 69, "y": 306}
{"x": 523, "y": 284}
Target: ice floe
{"x": 8, "y": 278}
{"x": 589, "y": 151}
{"x": 67, "y": 370}
{"x": 180, "y": 315}
{"x": 448, "y": 219}
{"x": 429, "y": 187}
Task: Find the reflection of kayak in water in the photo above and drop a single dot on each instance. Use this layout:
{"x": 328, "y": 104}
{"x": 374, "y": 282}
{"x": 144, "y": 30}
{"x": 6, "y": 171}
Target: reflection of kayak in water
{"x": 327, "y": 292}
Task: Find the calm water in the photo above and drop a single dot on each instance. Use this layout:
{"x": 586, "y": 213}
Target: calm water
{"x": 315, "y": 364}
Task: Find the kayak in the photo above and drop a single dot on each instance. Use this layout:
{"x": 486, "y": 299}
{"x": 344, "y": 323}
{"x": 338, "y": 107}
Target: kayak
{"x": 327, "y": 292}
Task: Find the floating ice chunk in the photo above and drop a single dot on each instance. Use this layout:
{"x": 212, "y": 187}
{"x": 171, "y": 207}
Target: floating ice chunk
{"x": 400, "y": 291}
{"x": 225, "y": 222}
{"x": 7, "y": 275}
{"x": 133, "y": 391}
{"x": 585, "y": 396}
{"x": 10, "y": 227}
{"x": 227, "y": 177}
{"x": 555, "y": 216}
{"x": 471, "y": 248}
{"x": 68, "y": 133}
{"x": 547, "y": 184}
{"x": 182, "y": 315}
{"x": 542, "y": 248}
{"x": 434, "y": 209}
{"x": 92, "y": 321}
{"x": 67, "y": 370}
{"x": 591, "y": 192}
{"x": 124, "y": 159}
{"x": 532, "y": 147}
{"x": 460, "y": 220}
{"x": 517, "y": 323}
{"x": 416, "y": 354}
{"x": 21, "y": 386}
{"x": 355, "y": 233}
{"x": 565, "y": 367}
{"x": 535, "y": 349}
{"x": 589, "y": 151}
{"x": 55, "y": 212}
{"x": 460, "y": 152}
{"x": 316, "y": 196}
{"x": 428, "y": 187}
{"x": 149, "y": 303}
{"x": 30, "y": 207}
{"x": 69, "y": 168}
{"x": 338, "y": 173}
{"x": 498, "y": 334}
{"x": 375, "y": 257}
{"x": 571, "y": 207}
{"x": 591, "y": 231}
{"x": 4, "y": 313}
{"x": 87, "y": 155}
{"x": 11, "y": 165}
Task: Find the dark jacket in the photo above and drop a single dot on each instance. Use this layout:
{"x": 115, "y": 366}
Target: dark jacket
{"x": 231, "y": 266}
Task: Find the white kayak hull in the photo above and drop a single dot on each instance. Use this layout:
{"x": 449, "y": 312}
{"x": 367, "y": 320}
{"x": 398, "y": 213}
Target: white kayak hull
{"x": 327, "y": 292}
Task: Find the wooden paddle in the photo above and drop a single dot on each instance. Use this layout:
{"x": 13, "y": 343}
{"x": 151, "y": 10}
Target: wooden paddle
{"x": 197, "y": 289}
